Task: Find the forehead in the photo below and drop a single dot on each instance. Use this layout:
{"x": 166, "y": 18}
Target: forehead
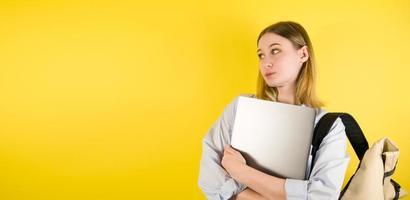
{"x": 269, "y": 38}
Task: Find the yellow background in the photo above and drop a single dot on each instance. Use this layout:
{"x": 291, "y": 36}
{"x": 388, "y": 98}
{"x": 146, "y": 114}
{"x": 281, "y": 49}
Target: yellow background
{"x": 111, "y": 99}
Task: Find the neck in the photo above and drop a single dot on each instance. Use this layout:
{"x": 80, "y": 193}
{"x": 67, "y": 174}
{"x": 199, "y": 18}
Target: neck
{"x": 286, "y": 94}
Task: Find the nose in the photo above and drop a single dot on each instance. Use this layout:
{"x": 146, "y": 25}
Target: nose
{"x": 268, "y": 65}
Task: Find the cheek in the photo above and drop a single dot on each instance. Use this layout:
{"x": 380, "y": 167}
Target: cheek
{"x": 291, "y": 66}
{"x": 288, "y": 68}
{"x": 282, "y": 66}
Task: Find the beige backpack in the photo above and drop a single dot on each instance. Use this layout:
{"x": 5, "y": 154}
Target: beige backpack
{"x": 372, "y": 179}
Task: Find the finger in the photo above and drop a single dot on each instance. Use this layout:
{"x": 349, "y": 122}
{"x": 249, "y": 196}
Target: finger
{"x": 226, "y": 152}
{"x": 226, "y": 146}
{"x": 226, "y": 149}
{"x": 232, "y": 150}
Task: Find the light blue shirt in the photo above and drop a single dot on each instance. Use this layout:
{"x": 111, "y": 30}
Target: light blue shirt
{"x": 325, "y": 182}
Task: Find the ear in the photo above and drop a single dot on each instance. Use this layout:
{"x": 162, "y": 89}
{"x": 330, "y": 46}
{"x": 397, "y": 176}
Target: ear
{"x": 303, "y": 54}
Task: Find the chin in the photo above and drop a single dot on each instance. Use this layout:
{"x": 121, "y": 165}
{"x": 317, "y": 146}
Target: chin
{"x": 272, "y": 83}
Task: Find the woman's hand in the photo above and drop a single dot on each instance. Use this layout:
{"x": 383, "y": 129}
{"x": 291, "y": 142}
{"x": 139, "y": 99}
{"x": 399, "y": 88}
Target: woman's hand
{"x": 232, "y": 161}
{"x": 267, "y": 186}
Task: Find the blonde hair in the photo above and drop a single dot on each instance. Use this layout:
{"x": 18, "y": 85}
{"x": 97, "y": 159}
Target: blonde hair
{"x": 305, "y": 82}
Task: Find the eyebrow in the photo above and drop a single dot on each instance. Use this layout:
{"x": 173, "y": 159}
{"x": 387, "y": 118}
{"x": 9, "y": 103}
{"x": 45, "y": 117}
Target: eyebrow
{"x": 269, "y": 46}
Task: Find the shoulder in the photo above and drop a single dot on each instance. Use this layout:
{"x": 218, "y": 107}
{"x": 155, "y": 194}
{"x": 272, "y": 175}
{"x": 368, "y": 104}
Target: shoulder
{"x": 337, "y": 130}
{"x": 320, "y": 112}
{"x": 247, "y": 95}
{"x": 234, "y": 101}
{"x": 230, "y": 108}
{"x": 244, "y": 95}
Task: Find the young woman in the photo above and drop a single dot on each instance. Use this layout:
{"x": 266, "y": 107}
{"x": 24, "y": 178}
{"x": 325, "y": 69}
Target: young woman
{"x": 287, "y": 75}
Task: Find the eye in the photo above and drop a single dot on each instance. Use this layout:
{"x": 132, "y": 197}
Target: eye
{"x": 274, "y": 51}
{"x": 260, "y": 56}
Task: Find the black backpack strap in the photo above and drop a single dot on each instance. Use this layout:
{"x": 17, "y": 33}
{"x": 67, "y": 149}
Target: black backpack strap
{"x": 353, "y": 131}
{"x": 396, "y": 189}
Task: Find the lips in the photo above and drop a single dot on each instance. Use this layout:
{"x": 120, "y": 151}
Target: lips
{"x": 269, "y": 73}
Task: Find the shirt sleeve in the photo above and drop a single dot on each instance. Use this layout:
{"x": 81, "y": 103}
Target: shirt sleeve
{"x": 328, "y": 172}
{"x": 214, "y": 181}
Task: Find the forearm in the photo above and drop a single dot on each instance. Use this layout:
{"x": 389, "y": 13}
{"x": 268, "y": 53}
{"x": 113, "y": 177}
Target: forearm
{"x": 269, "y": 187}
{"x": 248, "y": 194}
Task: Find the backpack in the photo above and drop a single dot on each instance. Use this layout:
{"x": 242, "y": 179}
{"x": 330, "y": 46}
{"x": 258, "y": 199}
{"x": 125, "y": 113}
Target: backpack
{"x": 372, "y": 179}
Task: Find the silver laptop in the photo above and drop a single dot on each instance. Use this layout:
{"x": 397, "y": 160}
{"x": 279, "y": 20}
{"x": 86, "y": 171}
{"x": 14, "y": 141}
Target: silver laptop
{"x": 274, "y": 137}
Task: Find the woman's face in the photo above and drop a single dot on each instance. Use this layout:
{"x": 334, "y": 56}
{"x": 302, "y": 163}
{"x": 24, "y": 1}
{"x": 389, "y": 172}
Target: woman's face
{"x": 279, "y": 61}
